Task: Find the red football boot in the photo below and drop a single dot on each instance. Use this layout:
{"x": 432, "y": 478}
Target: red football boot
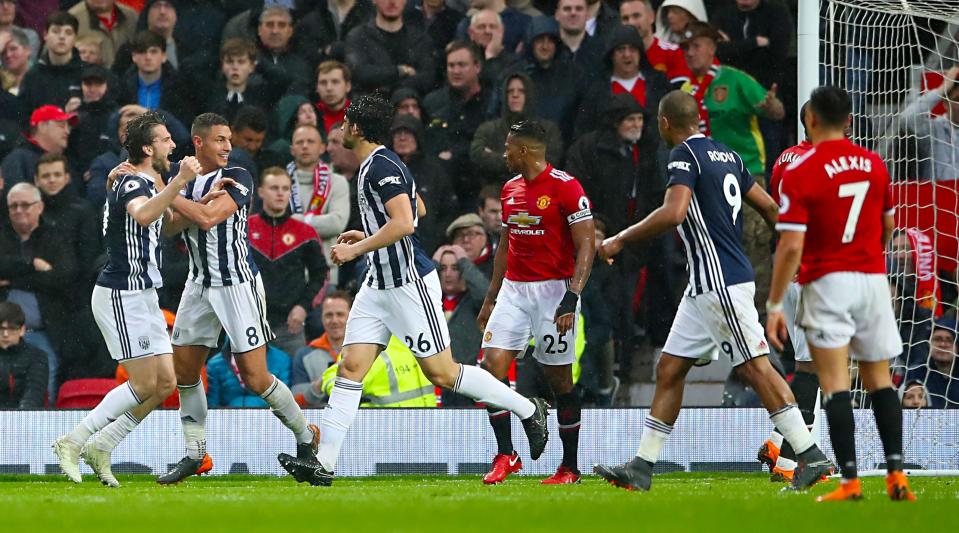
{"x": 503, "y": 465}
{"x": 563, "y": 476}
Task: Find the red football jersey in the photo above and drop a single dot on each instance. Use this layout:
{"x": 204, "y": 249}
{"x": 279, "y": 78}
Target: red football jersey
{"x": 538, "y": 215}
{"x": 668, "y": 58}
{"x": 788, "y": 156}
{"x": 838, "y": 194}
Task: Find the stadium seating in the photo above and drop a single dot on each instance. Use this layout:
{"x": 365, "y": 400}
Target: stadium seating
{"x": 83, "y": 393}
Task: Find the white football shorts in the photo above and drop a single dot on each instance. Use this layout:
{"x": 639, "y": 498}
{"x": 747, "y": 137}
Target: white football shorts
{"x": 851, "y": 308}
{"x": 239, "y": 309}
{"x": 723, "y": 320}
{"x": 525, "y": 310}
{"x": 131, "y": 322}
{"x": 412, "y": 312}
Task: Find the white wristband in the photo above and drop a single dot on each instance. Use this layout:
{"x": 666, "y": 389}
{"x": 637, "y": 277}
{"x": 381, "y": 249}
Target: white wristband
{"x": 774, "y": 307}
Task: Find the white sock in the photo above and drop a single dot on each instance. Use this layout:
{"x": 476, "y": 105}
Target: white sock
{"x": 118, "y": 401}
{"x": 337, "y": 418}
{"x": 284, "y": 407}
{"x": 655, "y": 434}
{"x": 110, "y": 436}
{"x": 193, "y": 418}
{"x": 481, "y": 386}
{"x": 777, "y": 438}
{"x": 790, "y": 423}
{"x": 785, "y": 464}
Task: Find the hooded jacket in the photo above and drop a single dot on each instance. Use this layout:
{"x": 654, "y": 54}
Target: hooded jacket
{"x": 432, "y": 184}
{"x": 611, "y": 177}
{"x": 559, "y": 85}
{"x": 695, "y": 7}
{"x": 600, "y": 90}
{"x": 486, "y": 150}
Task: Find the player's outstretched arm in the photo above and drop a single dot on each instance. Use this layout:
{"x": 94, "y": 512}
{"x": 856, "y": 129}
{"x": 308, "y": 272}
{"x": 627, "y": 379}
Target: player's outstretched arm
{"x": 669, "y": 215}
{"x": 785, "y": 265}
{"x": 759, "y": 199}
{"x": 398, "y": 226}
{"x": 496, "y": 280}
{"x": 146, "y": 212}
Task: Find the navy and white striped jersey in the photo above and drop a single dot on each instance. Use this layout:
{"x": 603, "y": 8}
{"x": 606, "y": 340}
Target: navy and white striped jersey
{"x": 383, "y": 176}
{"x": 220, "y": 256}
{"x": 713, "y": 229}
{"x": 133, "y": 251}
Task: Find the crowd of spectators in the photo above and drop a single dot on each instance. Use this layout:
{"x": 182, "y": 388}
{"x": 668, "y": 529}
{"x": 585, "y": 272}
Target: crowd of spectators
{"x": 458, "y": 73}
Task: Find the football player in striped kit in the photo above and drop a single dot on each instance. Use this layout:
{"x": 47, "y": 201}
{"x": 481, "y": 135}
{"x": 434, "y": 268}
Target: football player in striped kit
{"x": 401, "y": 297}
{"x": 125, "y": 299}
{"x": 223, "y": 292}
{"x": 708, "y": 184}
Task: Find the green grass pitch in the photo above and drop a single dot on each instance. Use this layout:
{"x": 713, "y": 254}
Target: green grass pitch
{"x": 678, "y": 502}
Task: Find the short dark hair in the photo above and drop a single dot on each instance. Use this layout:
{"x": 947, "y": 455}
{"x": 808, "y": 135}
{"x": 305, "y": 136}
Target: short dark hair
{"x": 373, "y": 114}
{"x": 252, "y": 118}
{"x": 831, "y": 105}
{"x": 529, "y": 129}
{"x": 491, "y": 191}
{"x": 62, "y": 18}
{"x": 457, "y": 45}
{"x": 337, "y": 295}
{"x": 203, "y": 122}
{"x": 51, "y": 157}
{"x": 146, "y": 40}
{"x": 11, "y": 313}
{"x": 140, "y": 134}
{"x": 680, "y": 109}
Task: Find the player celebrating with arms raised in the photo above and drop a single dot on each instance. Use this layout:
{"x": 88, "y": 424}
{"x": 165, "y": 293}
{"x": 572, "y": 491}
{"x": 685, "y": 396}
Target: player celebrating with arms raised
{"x": 546, "y": 224}
{"x": 401, "y": 296}
{"x": 125, "y": 302}
{"x": 704, "y": 199}
{"x": 836, "y": 218}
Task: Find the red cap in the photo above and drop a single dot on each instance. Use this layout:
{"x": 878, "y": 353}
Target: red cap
{"x": 51, "y": 112}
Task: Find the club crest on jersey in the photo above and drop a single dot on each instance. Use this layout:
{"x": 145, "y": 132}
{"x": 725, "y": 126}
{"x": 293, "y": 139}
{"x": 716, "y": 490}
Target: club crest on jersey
{"x": 287, "y": 239}
{"x": 524, "y": 220}
{"x": 542, "y": 202}
{"x": 144, "y": 342}
{"x": 720, "y": 93}
{"x": 488, "y": 337}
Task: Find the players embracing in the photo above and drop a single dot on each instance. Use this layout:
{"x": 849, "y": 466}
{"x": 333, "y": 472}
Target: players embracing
{"x": 544, "y": 258}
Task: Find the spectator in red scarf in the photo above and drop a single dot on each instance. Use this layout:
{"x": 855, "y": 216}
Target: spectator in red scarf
{"x": 464, "y": 288}
{"x": 333, "y": 86}
{"x": 117, "y": 24}
{"x": 320, "y": 195}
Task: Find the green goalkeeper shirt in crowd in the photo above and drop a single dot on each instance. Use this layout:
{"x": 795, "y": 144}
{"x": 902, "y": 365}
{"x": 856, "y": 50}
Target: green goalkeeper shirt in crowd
{"x": 731, "y": 101}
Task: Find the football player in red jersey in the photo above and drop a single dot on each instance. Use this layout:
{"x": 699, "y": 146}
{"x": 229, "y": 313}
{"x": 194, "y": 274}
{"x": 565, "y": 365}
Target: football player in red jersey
{"x": 775, "y": 452}
{"x": 836, "y": 217}
{"x": 545, "y": 254}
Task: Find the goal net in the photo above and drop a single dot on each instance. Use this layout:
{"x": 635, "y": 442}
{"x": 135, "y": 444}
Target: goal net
{"x": 893, "y": 56}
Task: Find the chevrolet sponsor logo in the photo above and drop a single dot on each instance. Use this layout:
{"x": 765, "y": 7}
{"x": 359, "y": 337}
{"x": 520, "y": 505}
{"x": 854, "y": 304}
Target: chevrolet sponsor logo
{"x": 524, "y": 220}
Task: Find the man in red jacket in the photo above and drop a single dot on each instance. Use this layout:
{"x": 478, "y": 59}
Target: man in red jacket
{"x": 284, "y": 249}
